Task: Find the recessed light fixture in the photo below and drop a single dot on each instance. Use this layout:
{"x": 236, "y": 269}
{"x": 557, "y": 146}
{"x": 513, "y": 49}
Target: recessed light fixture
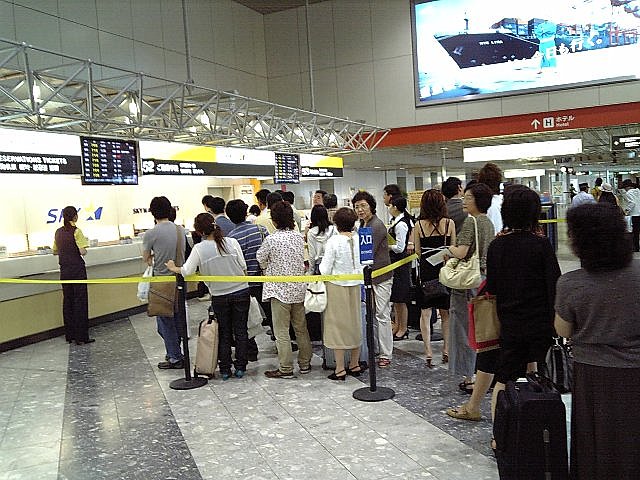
{"x": 376, "y": 167}
{"x": 516, "y": 151}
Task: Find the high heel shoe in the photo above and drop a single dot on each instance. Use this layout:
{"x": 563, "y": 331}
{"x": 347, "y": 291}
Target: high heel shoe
{"x": 429, "y": 362}
{"x": 335, "y": 376}
{"x": 445, "y": 358}
{"x": 355, "y": 371}
{"x": 397, "y": 338}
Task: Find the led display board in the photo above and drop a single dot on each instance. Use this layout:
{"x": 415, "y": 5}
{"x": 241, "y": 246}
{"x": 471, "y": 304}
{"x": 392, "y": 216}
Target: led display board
{"x": 108, "y": 161}
{"x": 466, "y": 49}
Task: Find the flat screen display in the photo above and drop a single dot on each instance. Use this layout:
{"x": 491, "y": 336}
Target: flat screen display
{"x": 287, "y": 168}
{"x": 109, "y": 161}
{"x": 465, "y": 49}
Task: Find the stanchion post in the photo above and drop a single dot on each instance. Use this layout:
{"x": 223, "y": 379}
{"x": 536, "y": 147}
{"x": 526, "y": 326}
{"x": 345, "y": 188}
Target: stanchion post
{"x": 372, "y": 393}
{"x": 188, "y": 382}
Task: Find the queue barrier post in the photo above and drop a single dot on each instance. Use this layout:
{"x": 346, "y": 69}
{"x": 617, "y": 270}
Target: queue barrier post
{"x": 188, "y": 382}
{"x": 372, "y": 393}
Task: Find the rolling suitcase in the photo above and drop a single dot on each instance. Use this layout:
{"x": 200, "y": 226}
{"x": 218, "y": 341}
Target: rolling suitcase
{"x": 207, "y": 347}
{"x": 530, "y": 431}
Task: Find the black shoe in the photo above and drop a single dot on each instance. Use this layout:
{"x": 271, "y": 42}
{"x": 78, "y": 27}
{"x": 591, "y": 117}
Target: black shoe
{"x": 401, "y": 337}
{"x": 171, "y": 365}
{"x": 252, "y": 357}
{"x": 436, "y": 337}
{"x": 88, "y": 340}
{"x": 419, "y": 337}
{"x": 294, "y": 347}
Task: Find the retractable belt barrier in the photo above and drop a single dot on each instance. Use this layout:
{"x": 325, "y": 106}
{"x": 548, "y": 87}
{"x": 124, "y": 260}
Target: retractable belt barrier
{"x": 221, "y": 278}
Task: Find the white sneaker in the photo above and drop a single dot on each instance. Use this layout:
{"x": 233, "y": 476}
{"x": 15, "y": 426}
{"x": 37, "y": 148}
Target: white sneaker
{"x": 205, "y": 298}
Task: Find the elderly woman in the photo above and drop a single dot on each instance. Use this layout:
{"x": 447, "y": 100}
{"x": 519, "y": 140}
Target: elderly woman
{"x": 597, "y": 307}
{"x": 462, "y": 359}
{"x": 342, "y": 330}
{"x": 282, "y": 253}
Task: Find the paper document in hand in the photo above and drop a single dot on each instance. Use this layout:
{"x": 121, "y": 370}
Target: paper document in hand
{"x": 438, "y": 257}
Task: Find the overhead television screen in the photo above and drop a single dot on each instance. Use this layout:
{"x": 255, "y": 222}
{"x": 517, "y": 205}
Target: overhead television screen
{"x": 109, "y": 161}
{"x": 467, "y": 49}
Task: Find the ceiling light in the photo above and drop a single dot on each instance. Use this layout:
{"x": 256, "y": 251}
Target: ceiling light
{"x": 524, "y": 173}
{"x": 133, "y": 108}
{"x": 516, "y": 151}
{"x": 36, "y": 93}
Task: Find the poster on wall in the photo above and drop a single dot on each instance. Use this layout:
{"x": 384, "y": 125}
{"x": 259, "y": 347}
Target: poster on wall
{"x": 466, "y": 49}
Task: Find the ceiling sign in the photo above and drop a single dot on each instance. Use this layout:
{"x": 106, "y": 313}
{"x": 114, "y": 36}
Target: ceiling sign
{"x": 627, "y": 142}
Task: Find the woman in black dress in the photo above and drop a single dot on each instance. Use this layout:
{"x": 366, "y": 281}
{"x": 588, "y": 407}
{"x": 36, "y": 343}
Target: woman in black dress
{"x": 70, "y": 245}
{"x": 432, "y": 231}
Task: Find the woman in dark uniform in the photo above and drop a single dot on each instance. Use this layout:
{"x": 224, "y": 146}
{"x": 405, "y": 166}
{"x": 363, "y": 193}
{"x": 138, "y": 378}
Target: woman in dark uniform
{"x": 400, "y": 231}
{"x": 70, "y": 245}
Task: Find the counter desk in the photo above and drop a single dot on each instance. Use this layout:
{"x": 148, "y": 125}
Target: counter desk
{"x": 33, "y": 312}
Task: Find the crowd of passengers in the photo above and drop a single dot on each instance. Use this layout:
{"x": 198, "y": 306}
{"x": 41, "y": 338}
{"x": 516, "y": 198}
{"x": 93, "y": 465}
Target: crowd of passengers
{"x": 518, "y": 265}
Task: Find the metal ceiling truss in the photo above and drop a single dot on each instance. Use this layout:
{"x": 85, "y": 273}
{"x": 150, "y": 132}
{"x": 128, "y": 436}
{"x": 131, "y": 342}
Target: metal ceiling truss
{"x": 73, "y": 95}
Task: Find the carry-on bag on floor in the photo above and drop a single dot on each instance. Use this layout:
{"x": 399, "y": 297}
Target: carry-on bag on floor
{"x": 328, "y": 355}
{"x": 207, "y": 347}
{"x": 530, "y": 431}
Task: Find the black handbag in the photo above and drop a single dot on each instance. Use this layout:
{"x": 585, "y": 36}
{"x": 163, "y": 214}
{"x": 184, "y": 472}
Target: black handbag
{"x": 433, "y": 290}
{"x": 559, "y": 366}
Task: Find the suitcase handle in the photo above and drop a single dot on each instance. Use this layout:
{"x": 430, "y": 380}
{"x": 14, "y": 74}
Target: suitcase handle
{"x": 539, "y": 383}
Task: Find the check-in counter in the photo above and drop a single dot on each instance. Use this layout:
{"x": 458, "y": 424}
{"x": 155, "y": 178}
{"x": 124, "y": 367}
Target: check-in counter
{"x": 33, "y": 311}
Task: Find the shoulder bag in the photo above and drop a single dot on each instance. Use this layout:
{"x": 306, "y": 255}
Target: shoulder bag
{"x": 162, "y": 295}
{"x": 463, "y": 274}
{"x": 484, "y": 325}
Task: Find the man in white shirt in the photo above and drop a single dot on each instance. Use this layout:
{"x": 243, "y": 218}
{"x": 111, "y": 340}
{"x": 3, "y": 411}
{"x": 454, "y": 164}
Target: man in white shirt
{"x": 632, "y": 201}
{"x": 583, "y": 196}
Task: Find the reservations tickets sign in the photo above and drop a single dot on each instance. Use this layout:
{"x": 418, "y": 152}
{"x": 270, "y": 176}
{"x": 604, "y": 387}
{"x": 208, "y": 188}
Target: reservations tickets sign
{"x": 11, "y": 162}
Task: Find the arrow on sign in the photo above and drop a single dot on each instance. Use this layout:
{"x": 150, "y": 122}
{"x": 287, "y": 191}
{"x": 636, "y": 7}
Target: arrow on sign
{"x": 535, "y": 123}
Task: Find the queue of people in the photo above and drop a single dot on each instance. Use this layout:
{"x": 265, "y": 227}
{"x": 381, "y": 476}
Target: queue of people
{"x": 518, "y": 266}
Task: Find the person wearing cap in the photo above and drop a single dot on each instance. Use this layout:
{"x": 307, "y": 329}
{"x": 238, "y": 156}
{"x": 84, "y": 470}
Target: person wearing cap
{"x": 583, "y": 196}
{"x": 607, "y": 195}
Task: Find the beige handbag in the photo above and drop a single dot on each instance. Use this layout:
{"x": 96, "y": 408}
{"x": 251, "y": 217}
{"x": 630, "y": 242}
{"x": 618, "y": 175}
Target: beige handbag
{"x": 463, "y": 274}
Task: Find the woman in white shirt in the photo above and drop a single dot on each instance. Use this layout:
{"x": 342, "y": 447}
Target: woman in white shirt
{"x": 400, "y": 229}
{"x": 218, "y": 255}
{"x": 342, "y": 328}
{"x": 321, "y": 229}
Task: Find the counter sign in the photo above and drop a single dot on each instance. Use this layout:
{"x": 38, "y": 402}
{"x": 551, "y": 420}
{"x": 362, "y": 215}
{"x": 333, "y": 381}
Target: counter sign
{"x": 627, "y": 142}
{"x": 365, "y": 236}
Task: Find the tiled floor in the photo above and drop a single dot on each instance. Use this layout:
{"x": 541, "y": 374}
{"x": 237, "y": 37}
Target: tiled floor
{"x": 105, "y": 411}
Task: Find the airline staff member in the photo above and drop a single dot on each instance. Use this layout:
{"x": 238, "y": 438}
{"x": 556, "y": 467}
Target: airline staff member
{"x": 70, "y": 245}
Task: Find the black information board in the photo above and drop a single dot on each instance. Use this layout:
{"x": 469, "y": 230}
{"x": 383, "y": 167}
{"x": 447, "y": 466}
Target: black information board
{"x": 287, "y": 168}
{"x": 13, "y": 162}
{"x": 625, "y": 142}
{"x": 109, "y": 161}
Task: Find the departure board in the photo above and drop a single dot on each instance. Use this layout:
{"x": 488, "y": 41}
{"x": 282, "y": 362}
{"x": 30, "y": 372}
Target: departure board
{"x": 108, "y": 161}
{"x": 287, "y": 168}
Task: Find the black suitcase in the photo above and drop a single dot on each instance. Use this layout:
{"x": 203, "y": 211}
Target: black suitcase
{"x": 530, "y": 431}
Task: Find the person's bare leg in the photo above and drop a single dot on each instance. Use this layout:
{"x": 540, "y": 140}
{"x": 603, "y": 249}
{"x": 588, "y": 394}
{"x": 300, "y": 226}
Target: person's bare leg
{"x": 425, "y": 329}
{"x": 494, "y": 398}
{"x": 444, "y": 320}
{"x": 339, "y": 354}
{"x": 472, "y": 407}
{"x": 402, "y": 315}
{"x": 354, "y": 360}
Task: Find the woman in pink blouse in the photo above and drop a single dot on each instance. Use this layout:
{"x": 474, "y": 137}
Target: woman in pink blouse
{"x": 282, "y": 253}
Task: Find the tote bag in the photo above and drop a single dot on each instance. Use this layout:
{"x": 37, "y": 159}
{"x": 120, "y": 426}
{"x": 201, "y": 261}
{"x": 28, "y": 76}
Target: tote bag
{"x": 463, "y": 274}
{"x": 315, "y": 297}
{"x": 484, "y": 326}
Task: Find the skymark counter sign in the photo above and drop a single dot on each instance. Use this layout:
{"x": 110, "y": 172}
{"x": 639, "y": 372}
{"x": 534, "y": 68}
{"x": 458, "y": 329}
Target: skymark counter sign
{"x": 11, "y": 162}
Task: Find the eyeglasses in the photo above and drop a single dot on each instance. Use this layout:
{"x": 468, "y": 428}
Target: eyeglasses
{"x": 362, "y": 206}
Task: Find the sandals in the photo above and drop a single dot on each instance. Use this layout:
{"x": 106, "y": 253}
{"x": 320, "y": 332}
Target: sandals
{"x": 355, "y": 371}
{"x": 462, "y": 413}
{"x": 335, "y": 376}
{"x": 466, "y": 387}
{"x": 445, "y": 358}
{"x": 429, "y": 362}
{"x": 384, "y": 362}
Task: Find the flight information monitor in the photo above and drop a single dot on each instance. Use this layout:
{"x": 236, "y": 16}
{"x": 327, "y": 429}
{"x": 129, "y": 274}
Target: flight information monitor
{"x": 109, "y": 161}
{"x": 287, "y": 168}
